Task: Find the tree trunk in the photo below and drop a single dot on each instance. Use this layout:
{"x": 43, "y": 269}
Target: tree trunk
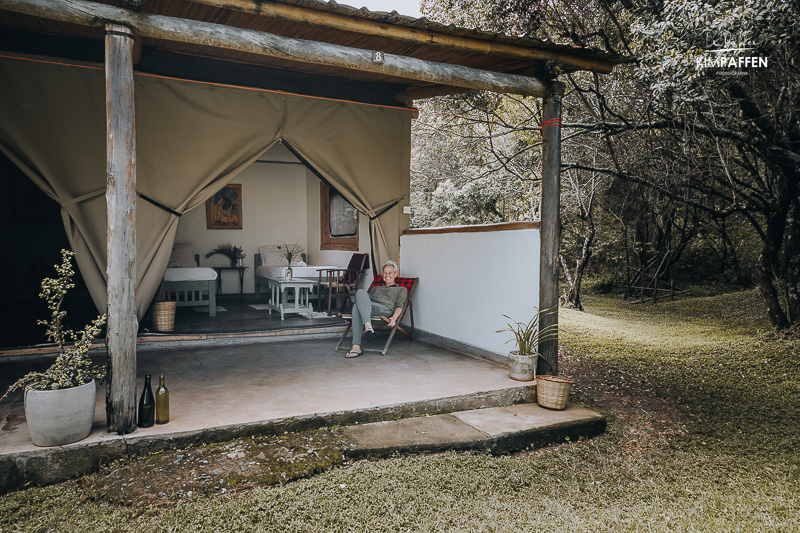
{"x": 626, "y": 244}
{"x": 768, "y": 268}
{"x": 792, "y": 251}
{"x": 729, "y": 252}
{"x": 574, "y": 279}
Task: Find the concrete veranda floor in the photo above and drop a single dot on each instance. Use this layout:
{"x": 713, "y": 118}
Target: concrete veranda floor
{"x": 237, "y": 384}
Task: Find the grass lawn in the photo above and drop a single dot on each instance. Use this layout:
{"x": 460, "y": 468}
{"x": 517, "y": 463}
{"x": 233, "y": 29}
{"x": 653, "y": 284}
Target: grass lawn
{"x": 704, "y": 435}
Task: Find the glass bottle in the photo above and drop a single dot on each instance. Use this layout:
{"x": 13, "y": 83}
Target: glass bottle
{"x": 162, "y": 402}
{"x": 147, "y": 405}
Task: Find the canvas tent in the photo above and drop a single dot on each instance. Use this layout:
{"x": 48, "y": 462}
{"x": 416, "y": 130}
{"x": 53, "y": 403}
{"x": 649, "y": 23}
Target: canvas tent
{"x": 334, "y": 83}
{"x": 193, "y": 138}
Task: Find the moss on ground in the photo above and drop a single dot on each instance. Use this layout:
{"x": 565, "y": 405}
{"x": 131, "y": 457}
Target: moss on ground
{"x": 175, "y": 476}
{"x": 703, "y": 401}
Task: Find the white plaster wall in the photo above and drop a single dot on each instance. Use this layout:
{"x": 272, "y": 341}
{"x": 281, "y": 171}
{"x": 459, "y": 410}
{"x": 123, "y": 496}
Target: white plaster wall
{"x": 467, "y": 281}
{"x": 280, "y": 198}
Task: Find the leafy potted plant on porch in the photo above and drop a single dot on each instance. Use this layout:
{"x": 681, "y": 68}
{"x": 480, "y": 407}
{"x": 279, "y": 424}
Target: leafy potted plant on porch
{"x": 552, "y": 391}
{"x": 60, "y": 401}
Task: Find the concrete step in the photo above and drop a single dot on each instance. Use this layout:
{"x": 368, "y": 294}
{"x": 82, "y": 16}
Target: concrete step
{"x": 22, "y": 464}
{"x": 503, "y": 429}
{"x": 475, "y": 426}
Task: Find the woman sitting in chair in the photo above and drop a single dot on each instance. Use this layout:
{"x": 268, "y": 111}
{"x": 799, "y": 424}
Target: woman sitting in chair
{"x": 386, "y": 301}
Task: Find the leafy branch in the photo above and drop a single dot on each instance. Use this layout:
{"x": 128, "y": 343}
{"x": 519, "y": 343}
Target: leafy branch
{"x": 72, "y": 367}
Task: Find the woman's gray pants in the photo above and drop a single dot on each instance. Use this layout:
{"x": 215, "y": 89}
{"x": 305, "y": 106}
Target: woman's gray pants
{"x": 363, "y": 309}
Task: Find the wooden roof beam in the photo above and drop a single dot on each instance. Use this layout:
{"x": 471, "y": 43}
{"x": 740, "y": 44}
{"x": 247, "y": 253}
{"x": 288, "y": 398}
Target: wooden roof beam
{"x": 88, "y": 13}
{"x": 428, "y": 91}
{"x": 408, "y": 34}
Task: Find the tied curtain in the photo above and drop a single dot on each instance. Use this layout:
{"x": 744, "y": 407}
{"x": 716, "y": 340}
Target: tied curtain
{"x": 191, "y": 140}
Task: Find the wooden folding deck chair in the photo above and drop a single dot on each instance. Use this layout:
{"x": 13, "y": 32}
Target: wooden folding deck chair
{"x": 377, "y": 321}
{"x": 341, "y": 282}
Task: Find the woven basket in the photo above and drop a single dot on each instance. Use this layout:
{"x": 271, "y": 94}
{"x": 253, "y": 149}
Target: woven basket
{"x": 164, "y": 316}
{"x": 553, "y": 391}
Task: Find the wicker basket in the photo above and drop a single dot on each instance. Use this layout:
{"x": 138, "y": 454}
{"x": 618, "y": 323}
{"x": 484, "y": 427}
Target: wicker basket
{"x": 553, "y": 391}
{"x": 164, "y": 316}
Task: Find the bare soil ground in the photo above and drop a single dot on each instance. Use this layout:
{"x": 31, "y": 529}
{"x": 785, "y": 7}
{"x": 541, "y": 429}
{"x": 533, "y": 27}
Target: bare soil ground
{"x": 649, "y": 421}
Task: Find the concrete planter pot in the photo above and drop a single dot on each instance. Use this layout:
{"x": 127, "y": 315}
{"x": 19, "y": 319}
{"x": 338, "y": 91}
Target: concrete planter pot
{"x": 522, "y": 367}
{"x": 57, "y": 417}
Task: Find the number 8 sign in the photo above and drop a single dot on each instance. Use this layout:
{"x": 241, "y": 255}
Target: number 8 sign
{"x": 378, "y": 57}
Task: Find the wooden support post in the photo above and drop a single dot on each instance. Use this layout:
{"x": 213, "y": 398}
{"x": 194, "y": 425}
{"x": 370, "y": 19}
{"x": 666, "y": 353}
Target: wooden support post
{"x": 551, "y": 225}
{"x": 121, "y": 231}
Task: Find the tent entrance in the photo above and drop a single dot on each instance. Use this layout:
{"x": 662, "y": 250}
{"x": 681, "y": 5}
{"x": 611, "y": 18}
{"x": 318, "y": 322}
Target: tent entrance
{"x": 191, "y": 139}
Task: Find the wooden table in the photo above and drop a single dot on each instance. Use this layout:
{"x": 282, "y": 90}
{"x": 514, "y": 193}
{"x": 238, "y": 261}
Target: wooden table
{"x": 302, "y": 289}
{"x": 221, "y": 269}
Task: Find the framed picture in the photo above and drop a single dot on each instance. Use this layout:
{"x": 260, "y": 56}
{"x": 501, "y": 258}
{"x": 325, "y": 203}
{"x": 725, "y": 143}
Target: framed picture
{"x": 224, "y": 209}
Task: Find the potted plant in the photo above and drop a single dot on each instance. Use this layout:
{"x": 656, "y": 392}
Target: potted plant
{"x": 290, "y": 254}
{"x": 234, "y": 253}
{"x": 551, "y": 391}
{"x": 527, "y": 337}
{"x": 60, "y": 402}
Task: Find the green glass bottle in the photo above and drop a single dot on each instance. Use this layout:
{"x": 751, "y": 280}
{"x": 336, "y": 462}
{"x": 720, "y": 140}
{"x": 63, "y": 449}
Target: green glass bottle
{"x": 162, "y": 402}
{"x": 147, "y": 405}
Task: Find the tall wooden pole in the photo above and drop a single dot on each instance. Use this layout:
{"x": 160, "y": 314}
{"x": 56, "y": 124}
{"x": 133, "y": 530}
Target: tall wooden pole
{"x": 121, "y": 231}
{"x": 551, "y": 225}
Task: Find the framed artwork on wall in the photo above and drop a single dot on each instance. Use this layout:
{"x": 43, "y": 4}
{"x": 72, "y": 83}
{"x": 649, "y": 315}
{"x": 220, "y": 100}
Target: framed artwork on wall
{"x": 224, "y": 208}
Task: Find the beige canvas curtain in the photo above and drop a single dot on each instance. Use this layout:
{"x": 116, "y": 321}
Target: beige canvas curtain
{"x": 192, "y": 139}
{"x": 364, "y": 153}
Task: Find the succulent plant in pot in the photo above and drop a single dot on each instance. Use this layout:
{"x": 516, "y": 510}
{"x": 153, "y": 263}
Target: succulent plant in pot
{"x": 60, "y": 401}
{"x": 527, "y": 336}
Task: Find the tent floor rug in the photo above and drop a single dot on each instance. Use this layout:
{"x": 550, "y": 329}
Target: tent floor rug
{"x": 265, "y": 307}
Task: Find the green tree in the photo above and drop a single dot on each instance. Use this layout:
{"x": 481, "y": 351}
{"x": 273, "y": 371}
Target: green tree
{"x": 473, "y": 161}
{"x": 741, "y": 125}
{"x": 690, "y": 150}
